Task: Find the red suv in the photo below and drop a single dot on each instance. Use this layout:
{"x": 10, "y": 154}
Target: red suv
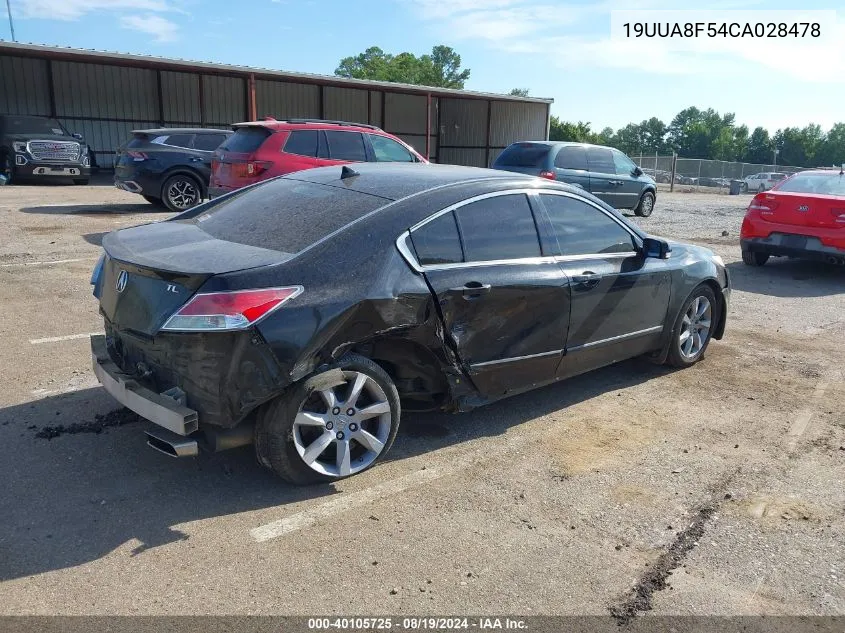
{"x": 263, "y": 149}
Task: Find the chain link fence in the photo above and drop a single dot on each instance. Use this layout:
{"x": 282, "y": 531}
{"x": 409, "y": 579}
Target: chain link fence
{"x": 693, "y": 174}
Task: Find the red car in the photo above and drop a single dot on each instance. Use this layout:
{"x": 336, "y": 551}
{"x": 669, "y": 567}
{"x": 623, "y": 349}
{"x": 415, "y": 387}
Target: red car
{"x": 801, "y": 216}
{"x": 264, "y": 149}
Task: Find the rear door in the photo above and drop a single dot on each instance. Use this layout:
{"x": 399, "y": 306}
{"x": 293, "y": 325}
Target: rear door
{"x": 571, "y": 166}
{"x": 619, "y": 298}
{"x": 504, "y": 305}
{"x": 342, "y": 147}
{"x": 604, "y": 184}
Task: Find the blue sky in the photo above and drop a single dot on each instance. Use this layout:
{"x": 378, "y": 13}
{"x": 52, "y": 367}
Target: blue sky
{"x": 556, "y": 49}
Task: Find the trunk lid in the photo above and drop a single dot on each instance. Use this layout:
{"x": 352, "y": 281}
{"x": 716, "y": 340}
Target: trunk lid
{"x": 803, "y": 209}
{"x": 150, "y": 271}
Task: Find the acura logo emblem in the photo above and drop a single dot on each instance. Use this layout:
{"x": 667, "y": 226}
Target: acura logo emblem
{"x": 122, "y": 278}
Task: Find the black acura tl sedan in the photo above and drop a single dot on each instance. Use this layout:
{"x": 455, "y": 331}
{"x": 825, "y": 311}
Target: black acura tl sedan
{"x": 303, "y": 313}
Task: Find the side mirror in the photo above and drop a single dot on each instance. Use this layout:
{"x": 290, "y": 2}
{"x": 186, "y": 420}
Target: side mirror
{"x": 77, "y": 136}
{"x": 637, "y": 171}
{"x": 658, "y": 249}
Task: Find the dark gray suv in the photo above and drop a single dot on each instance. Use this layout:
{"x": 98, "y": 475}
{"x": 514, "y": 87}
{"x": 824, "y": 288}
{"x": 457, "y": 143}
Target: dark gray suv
{"x": 605, "y": 172}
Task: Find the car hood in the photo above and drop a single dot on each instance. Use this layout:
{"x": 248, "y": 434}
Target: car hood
{"x": 35, "y": 136}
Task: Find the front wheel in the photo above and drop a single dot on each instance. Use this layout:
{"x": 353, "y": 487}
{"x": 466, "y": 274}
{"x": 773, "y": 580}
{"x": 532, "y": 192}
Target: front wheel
{"x": 334, "y": 424}
{"x": 7, "y": 168}
{"x": 693, "y": 328}
{"x": 646, "y": 205}
{"x": 181, "y": 192}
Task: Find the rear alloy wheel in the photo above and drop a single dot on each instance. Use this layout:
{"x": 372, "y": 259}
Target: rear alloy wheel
{"x": 180, "y": 193}
{"x": 753, "y": 258}
{"x": 646, "y": 205}
{"x": 693, "y": 328}
{"x": 332, "y": 425}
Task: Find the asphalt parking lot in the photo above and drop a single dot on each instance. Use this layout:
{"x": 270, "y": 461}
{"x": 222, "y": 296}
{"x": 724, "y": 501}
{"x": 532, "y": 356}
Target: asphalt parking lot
{"x": 634, "y": 489}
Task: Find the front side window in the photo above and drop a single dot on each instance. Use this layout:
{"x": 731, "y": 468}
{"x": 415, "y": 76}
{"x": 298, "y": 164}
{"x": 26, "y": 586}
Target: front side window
{"x": 601, "y": 160}
{"x": 437, "y": 242}
{"x": 582, "y": 229}
{"x": 389, "y": 151}
{"x": 624, "y": 165}
{"x": 501, "y": 227}
{"x": 346, "y": 146}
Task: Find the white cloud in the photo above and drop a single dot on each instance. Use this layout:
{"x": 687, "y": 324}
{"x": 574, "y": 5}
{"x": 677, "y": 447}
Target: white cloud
{"x": 75, "y": 9}
{"x": 161, "y": 28}
{"x": 579, "y": 35}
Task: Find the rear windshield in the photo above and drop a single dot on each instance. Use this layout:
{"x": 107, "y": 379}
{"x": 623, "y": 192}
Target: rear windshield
{"x": 245, "y": 140}
{"x": 32, "y": 125}
{"x": 831, "y": 184}
{"x": 285, "y": 215}
{"x": 523, "y": 155}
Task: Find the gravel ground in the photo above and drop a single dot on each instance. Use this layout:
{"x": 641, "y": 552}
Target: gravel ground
{"x": 636, "y": 489}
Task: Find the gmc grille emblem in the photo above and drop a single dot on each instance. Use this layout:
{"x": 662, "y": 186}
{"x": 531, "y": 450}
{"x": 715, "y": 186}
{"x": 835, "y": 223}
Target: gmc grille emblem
{"x": 122, "y": 278}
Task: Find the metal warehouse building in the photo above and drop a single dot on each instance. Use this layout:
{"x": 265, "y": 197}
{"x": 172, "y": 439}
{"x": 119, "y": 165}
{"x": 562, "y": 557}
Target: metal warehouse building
{"x": 104, "y": 96}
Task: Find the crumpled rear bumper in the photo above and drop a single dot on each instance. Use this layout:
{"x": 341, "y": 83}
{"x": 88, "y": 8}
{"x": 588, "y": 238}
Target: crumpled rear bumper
{"x": 161, "y": 409}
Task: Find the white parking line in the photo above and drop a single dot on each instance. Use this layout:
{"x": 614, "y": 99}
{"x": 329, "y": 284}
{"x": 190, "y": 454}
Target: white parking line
{"x": 58, "y": 339}
{"x": 805, "y": 414}
{"x": 47, "y": 263}
{"x": 341, "y": 504}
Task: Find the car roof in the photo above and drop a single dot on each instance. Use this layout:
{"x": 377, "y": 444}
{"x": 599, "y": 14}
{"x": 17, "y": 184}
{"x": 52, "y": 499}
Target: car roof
{"x": 394, "y": 181}
{"x": 181, "y": 130}
{"x": 561, "y": 144}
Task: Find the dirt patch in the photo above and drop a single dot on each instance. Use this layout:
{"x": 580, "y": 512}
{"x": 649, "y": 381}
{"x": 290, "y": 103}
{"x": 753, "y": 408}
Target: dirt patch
{"x": 772, "y": 509}
{"x": 118, "y": 417}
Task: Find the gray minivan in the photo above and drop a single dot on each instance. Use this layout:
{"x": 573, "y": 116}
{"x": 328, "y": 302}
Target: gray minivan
{"x": 605, "y": 172}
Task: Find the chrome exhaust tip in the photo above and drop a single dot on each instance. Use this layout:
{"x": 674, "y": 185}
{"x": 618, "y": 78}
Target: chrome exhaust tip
{"x": 171, "y": 444}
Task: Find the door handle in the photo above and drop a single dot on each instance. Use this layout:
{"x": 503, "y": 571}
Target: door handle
{"x": 472, "y": 289}
{"x": 587, "y": 279}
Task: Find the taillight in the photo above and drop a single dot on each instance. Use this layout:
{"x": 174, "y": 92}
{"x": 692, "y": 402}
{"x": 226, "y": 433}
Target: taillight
{"x": 763, "y": 203}
{"x": 550, "y": 175}
{"x": 250, "y": 169}
{"x": 137, "y": 156}
{"x": 216, "y": 311}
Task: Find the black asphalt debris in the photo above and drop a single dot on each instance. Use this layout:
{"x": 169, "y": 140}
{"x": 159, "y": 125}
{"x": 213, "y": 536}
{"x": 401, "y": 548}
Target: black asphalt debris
{"x": 118, "y": 417}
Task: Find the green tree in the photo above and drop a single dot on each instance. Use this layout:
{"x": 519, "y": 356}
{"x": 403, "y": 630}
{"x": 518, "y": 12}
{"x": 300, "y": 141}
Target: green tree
{"x": 565, "y": 131}
{"x": 519, "y": 92}
{"x": 832, "y": 149}
{"x": 760, "y": 147}
{"x": 442, "y": 68}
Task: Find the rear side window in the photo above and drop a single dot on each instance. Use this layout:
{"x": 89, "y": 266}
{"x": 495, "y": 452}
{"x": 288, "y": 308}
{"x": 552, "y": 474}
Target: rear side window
{"x": 571, "y": 157}
{"x": 302, "y": 143}
{"x": 600, "y": 160}
{"x": 208, "y": 142}
{"x": 523, "y": 155}
{"x": 437, "y": 242}
{"x": 581, "y": 229}
{"x": 176, "y": 140}
{"x": 501, "y": 227}
{"x": 245, "y": 140}
{"x": 285, "y": 215}
{"x": 346, "y": 146}
{"x": 389, "y": 151}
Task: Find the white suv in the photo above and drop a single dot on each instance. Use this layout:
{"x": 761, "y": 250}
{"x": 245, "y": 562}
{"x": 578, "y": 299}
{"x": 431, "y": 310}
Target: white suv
{"x": 763, "y": 181}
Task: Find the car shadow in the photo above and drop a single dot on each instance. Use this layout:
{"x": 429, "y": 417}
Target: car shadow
{"x": 783, "y": 277}
{"x": 75, "y": 498}
{"x": 96, "y": 209}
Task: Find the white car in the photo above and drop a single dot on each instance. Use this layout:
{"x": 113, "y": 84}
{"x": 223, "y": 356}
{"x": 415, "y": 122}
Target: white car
{"x": 762, "y": 181}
